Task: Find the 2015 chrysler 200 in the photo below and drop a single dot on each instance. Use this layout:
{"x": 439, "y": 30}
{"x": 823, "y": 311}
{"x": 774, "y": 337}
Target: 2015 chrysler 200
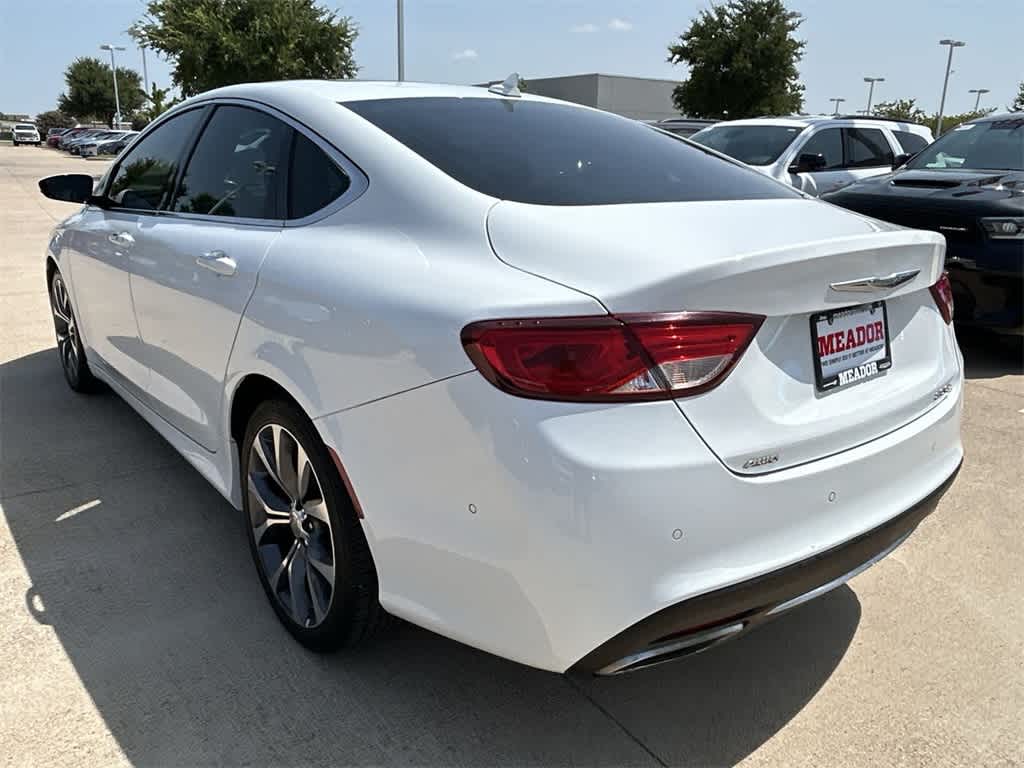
{"x": 534, "y": 376}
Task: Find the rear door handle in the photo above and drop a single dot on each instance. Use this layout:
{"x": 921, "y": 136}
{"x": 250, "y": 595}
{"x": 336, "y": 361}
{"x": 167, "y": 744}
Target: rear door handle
{"x": 122, "y": 238}
{"x": 218, "y": 262}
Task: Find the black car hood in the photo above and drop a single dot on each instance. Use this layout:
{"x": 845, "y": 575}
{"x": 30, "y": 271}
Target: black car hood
{"x": 935, "y": 185}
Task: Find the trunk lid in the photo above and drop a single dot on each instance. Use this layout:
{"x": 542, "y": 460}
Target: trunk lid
{"x": 777, "y": 258}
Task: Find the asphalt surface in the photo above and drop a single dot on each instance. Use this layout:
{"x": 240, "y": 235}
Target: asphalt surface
{"x": 133, "y": 629}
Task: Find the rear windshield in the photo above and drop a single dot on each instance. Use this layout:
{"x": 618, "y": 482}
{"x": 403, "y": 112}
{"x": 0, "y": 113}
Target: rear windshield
{"x": 996, "y": 145}
{"x": 554, "y": 154}
{"x": 750, "y": 144}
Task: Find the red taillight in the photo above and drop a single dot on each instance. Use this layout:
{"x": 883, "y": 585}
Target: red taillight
{"x": 633, "y": 357}
{"x": 942, "y": 292}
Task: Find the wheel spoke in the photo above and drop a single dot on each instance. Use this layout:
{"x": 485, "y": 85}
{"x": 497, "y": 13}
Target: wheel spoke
{"x": 59, "y": 314}
{"x": 269, "y": 464}
{"x": 303, "y": 471}
{"x": 325, "y": 569}
{"x": 318, "y": 511}
{"x": 271, "y": 507}
{"x": 260, "y": 530}
{"x": 317, "y": 597}
{"x": 286, "y": 448}
{"x": 275, "y": 578}
{"x": 298, "y": 587}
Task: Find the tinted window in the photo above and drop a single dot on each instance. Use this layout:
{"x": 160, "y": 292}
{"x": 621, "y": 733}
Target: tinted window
{"x": 750, "y": 144}
{"x": 314, "y": 180}
{"x": 829, "y": 144}
{"x": 866, "y": 148}
{"x": 911, "y": 142}
{"x": 992, "y": 145}
{"x": 144, "y": 176}
{"x": 554, "y": 154}
{"x": 237, "y": 168}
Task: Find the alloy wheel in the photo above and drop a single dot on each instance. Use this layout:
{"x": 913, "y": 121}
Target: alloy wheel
{"x": 66, "y": 328}
{"x": 291, "y": 526}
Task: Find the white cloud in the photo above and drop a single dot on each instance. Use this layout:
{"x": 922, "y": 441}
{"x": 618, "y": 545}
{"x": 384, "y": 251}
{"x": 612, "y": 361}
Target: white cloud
{"x": 468, "y": 53}
{"x": 619, "y": 25}
{"x": 586, "y": 28}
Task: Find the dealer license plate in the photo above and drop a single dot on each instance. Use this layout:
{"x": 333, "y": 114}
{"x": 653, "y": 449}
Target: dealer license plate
{"x": 850, "y": 345}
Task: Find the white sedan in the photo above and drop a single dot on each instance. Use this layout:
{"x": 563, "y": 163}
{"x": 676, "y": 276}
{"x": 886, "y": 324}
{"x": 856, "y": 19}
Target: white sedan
{"x": 525, "y": 373}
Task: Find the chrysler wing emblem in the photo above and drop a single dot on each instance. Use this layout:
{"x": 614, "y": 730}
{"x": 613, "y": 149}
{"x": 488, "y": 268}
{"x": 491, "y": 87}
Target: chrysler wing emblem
{"x": 878, "y": 282}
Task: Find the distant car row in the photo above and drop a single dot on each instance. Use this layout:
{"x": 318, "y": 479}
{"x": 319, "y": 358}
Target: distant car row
{"x": 968, "y": 185}
{"x": 89, "y": 142}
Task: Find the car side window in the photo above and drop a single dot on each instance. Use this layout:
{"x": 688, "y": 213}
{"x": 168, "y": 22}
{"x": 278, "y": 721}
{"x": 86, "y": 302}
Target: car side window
{"x": 867, "y": 148}
{"x": 238, "y": 166}
{"x": 911, "y": 142}
{"x": 829, "y": 144}
{"x": 145, "y": 175}
{"x": 314, "y": 180}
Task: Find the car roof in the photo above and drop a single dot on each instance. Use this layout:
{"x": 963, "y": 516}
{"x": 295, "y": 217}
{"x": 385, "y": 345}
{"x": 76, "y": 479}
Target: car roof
{"x": 999, "y": 116}
{"x": 357, "y": 90}
{"x": 804, "y": 121}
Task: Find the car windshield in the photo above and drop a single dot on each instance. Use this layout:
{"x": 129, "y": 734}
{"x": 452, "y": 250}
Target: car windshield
{"x": 990, "y": 145}
{"x": 556, "y": 154}
{"x": 24, "y": 127}
{"x": 750, "y": 144}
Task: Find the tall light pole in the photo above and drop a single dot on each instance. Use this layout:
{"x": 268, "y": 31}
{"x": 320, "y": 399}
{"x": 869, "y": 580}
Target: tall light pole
{"x": 977, "y": 101}
{"x": 945, "y": 83}
{"x": 401, "y": 41}
{"x": 113, "y": 69}
{"x": 837, "y": 103}
{"x": 871, "y": 90}
{"x": 145, "y": 73}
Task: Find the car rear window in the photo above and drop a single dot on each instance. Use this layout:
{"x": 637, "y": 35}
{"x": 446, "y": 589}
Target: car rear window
{"x": 911, "y": 142}
{"x": 750, "y": 144}
{"x": 988, "y": 145}
{"x": 555, "y": 154}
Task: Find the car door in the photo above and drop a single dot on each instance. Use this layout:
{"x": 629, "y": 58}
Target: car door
{"x": 827, "y": 142}
{"x": 867, "y": 152}
{"x": 106, "y": 239}
{"x": 202, "y": 259}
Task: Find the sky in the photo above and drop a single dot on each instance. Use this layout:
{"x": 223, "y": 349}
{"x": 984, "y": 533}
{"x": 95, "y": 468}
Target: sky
{"x": 466, "y": 41}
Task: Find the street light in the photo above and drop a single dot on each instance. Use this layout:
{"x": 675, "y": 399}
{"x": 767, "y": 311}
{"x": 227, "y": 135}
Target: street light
{"x": 871, "y": 90}
{"x": 113, "y": 68}
{"x": 837, "y": 103}
{"x": 977, "y": 101}
{"x": 401, "y": 41}
{"x": 945, "y": 83}
{"x": 145, "y": 74}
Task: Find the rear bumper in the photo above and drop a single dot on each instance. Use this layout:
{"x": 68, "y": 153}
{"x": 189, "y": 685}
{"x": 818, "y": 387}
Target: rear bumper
{"x": 702, "y": 622}
{"x": 543, "y": 531}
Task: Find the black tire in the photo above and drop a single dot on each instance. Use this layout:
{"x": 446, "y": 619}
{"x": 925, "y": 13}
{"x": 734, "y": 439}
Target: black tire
{"x": 354, "y": 613}
{"x": 69, "y": 343}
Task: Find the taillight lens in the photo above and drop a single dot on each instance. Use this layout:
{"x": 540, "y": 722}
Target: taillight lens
{"x": 942, "y": 292}
{"x": 602, "y": 359}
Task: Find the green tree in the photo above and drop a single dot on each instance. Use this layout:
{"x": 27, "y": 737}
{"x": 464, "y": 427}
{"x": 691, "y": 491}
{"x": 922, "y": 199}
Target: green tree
{"x": 90, "y": 92}
{"x": 158, "y": 103}
{"x": 742, "y": 58}
{"x": 219, "y": 42}
{"x": 1018, "y": 102}
{"x": 901, "y": 109}
{"x": 54, "y": 118}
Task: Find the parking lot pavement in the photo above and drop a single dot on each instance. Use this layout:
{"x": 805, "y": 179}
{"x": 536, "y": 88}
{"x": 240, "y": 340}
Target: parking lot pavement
{"x": 133, "y": 629}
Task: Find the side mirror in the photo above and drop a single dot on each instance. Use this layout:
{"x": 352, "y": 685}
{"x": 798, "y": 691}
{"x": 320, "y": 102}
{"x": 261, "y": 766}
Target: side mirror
{"x": 808, "y": 163}
{"x": 68, "y": 187}
{"x": 900, "y": 159}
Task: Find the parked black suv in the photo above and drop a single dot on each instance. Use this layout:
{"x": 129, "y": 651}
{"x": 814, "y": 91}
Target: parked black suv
{"x": 969, "y": 186}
